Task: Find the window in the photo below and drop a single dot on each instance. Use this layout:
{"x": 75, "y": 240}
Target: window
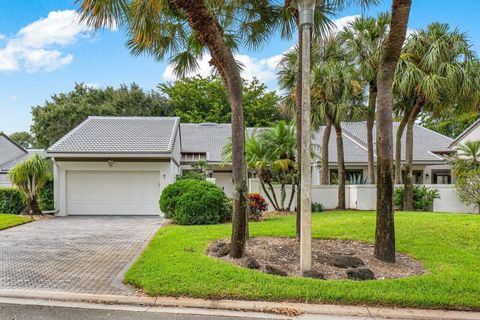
{"x": 441, "y": 177}
{"x": 417, "y": 176}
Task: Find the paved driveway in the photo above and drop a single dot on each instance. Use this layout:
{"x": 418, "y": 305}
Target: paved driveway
{"x": 73, "y": 254}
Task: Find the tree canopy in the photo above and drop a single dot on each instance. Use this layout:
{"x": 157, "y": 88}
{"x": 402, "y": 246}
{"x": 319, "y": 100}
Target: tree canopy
{"x": 204, "y": 99}
{"x": 23, "y": 138}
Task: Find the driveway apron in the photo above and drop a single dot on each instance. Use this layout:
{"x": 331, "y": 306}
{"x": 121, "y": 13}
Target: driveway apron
{"x": 73, "y": 254}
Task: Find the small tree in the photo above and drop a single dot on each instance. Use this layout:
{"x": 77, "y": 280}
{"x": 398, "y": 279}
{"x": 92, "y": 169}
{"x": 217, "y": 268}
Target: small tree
{"x": 468, "y": 188}
{"x": 29, "y": 176}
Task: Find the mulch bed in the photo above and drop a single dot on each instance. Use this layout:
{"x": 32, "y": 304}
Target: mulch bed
{"x": 332, "y": 259}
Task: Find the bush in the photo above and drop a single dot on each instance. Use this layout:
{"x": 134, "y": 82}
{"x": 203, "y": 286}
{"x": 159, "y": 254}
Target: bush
{"x": 192, "y": 175}
{"x": 257, "y": 206}
{"x": 423, "y": 198}
{"x": 189, "y": 201}
{"x": 11, "y": 201}
{"x": 45, "y": 196}
{"x": 317, "y": 207}
{"x": 468, "y": 188}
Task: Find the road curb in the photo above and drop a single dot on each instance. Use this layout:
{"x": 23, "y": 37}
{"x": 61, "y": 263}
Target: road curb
{"x": 251, "y": 306}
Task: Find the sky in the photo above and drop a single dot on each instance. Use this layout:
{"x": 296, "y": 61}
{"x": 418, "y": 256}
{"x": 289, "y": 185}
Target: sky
{"x": 44, "y": 50}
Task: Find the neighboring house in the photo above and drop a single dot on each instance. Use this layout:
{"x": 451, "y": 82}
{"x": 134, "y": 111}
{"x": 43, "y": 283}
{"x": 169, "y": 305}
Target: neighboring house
{"x": 428, "y": 167}
{"x": 120, "y": 165}
{"x": 11, "y": 153}
{"x": 472, "y": 133}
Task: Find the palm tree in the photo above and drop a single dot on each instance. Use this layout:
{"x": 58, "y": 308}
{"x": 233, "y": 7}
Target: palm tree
{"x": 466, "y": 158}
{"x": 385, "y": 228}
{"x": 436, "y": 69}
{"x": 29, "y": 176}
{"x": 184, "y": 30}
{"x": 364, "y": 39}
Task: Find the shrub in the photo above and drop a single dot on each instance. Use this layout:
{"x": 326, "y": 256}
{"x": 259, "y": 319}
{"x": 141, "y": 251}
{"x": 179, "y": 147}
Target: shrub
{"x": 317, "y": 207}
{"x": 468, "y": 188}
{"x": 45, "y": 196}
{"x": 191, "y": 201}
{"x": 11, "y": 201}
{"x": 192, "y": 175}
{"x": 257, "y": 206}
{"x": 423, "y": 197}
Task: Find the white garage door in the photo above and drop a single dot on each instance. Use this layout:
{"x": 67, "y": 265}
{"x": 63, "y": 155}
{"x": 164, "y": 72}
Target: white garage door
{"x": 113, "y": 192}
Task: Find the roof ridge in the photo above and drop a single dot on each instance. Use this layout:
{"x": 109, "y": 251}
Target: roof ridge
{"x": 13, "y": 142}
{"x": 173, "y": 134}
{"x": 59, "y": 141}
{"x": 133, "y": 117}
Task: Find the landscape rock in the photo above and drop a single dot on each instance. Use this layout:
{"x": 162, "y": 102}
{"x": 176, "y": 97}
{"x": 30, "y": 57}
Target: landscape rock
{"x": 251, "y": 263}
{"x": 346, "y": 262}
{"x": 360, "y": 274}
{"x": 275, "y": 271}
{"x": 314, "y": 275}
{"x": 223, "y": 251}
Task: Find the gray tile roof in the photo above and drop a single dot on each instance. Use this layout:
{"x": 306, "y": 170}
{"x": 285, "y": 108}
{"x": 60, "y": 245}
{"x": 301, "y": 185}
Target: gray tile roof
{"x": 355, "y": 143}
{"x": 143, "y": 135}
{"x": 11, "y": 163}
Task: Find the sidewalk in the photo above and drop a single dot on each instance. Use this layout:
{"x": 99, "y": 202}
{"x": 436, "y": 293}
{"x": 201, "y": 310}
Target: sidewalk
{"x": 282, "y": 310}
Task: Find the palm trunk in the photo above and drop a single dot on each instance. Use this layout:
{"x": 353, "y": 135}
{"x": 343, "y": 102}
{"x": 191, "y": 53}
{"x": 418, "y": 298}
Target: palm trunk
{"x": 267, "y": 194}
{"x": 408, "y": 187}
{"x": 283, "y": 196}
{"x": 274, "y": 196}
{"x": 292, "y": 196}
{"x": 209, "y": 32}
{"x": 341, "y": 167}
{"x": 325, "y": 142}
{"x": 298, "y": 122}
{"x": 372, "y": 102}
{"x": 385, "y": 227}
{"x": 398, "y": 146}
{"x": 32, "y": 208}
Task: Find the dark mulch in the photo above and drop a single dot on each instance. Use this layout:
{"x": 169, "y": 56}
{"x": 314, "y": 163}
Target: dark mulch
{"x": 331, "y": 258}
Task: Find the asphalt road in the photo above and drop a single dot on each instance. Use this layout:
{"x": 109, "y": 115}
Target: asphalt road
{"x": 30, "y": 312}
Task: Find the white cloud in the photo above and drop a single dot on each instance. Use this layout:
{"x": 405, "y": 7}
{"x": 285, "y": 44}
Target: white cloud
{"x": 36, "y": 47}
{"x": 341, "y": 23}
{"x": 13, "y": 97}
{"x": 2, "y": 36}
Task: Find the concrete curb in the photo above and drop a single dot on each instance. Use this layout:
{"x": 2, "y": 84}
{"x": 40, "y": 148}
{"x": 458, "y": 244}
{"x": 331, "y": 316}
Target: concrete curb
{"x": 251, "y": 306}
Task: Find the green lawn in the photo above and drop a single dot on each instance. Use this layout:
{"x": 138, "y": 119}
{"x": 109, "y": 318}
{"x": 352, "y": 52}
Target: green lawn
{"x": 448, "y": 245}
{"x": 11, "y": 220}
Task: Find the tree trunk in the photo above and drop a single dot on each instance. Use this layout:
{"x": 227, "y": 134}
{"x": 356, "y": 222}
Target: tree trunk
{"x": 372, "y": 102}
{"x": 268, "y": 195}
{"x": 398, "y": 146}
{"x": 325, "y": 142}
{"x": 298, "y": 122}
{"x": 408, "y": 187}
{"x": 283, "y": 197}
{"x": 341, "y": 167}
{"x": 274, "y": 196}
{"x": 32, "y": 208}
{"x": 209, "y": 32}
{"x": 385, "y": 227}
{"x": 292, "y": 196}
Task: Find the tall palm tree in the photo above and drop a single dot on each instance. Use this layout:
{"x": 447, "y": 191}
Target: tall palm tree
{"x": 29, "y": 176}
{"x": 385, "y": 227}
{"x": 437, "y": 70}
{"x": 185, "y": 30}
{"x": 364, "y": 39}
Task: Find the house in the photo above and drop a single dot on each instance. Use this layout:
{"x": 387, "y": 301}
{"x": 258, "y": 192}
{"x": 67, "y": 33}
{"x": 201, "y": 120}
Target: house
{"x": 472, "y": 133}
{"x": 10, "y": 154}
{"x": 120, "y": 165}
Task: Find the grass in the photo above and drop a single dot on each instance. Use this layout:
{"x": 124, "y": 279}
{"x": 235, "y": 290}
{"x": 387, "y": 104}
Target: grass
{"x": 11, "y": 220}
{"x": 448, "y": 245}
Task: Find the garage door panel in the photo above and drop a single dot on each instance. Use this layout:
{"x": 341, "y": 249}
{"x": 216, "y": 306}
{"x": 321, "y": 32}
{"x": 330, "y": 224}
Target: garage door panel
{"x": 113, "y": 192}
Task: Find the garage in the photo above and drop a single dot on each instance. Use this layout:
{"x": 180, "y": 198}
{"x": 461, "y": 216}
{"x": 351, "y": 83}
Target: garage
{"x": 112, "y": 192}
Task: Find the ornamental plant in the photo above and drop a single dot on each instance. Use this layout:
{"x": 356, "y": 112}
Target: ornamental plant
{"x": 257, "y": 205}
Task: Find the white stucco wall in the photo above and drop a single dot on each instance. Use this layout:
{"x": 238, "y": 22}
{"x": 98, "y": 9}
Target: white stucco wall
{"x": 166, "y": 172}
{"x": 4, "y": 181}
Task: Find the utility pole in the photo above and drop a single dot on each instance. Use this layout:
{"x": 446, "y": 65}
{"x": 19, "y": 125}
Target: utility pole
{"x": 306, "y": 10}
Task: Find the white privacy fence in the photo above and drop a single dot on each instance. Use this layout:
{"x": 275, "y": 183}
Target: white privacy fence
{"x": 363, "y": 197}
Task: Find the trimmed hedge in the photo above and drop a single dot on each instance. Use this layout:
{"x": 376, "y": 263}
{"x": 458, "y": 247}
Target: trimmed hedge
{"x": 45, "y": 196}
{"x": 12, "y": 201}
{"x": 190, "y": 202}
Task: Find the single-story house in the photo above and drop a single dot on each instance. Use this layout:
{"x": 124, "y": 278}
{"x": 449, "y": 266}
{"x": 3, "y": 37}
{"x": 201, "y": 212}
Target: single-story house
{"x": 11, "y": 153}
{"x": 472, "y": 133}
{"x": 120, "y": 165}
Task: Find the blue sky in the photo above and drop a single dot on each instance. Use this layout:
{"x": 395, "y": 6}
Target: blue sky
{"x": 44, "y": 51}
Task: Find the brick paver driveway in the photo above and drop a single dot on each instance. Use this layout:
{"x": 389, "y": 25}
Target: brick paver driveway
{"x": 73, "y": 254}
